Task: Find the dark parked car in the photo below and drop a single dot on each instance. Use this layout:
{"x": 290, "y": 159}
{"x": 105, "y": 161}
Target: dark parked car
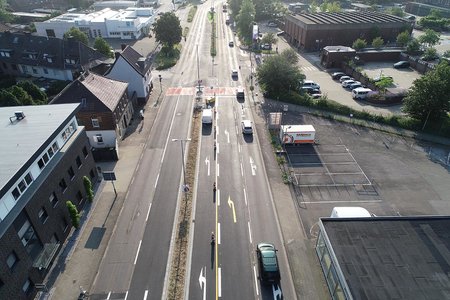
{"x": 269, "y": 271}
{"x": 337, "y": 75}
{"x": 401, "y": 64}
{"x": 231, "y": 44}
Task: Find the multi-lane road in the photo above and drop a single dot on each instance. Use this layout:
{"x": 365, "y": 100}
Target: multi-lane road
{"x": 240, "y": 212}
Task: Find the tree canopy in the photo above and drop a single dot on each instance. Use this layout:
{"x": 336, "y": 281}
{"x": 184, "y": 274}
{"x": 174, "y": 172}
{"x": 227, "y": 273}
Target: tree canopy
{"x": 377, "y": 42}
{"x": 278, "y": 75}
{"x": 5, "y": 15}
{"x": 290, "y": 55}
{"x": 330, "y": 6}
{"x": 269, "y": 38}
{"x": 168, "y": 30}
{"x": 77, "y": 34}
{"x": 429, "y": 38}
{"x": 103, "y": 47}
{"x": 359, "y": 44}
{"x": 403, "y": 38}
{"x": 38, "y": 96}
{"x": 245, "y": 20}
{"x": 428, "y": 97}
{"x": 8, "y": 99}
{"x": 266, "y": 9}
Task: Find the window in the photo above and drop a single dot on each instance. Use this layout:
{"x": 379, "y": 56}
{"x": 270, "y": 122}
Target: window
{"x": 45, "y": 158}
{"x": 71, "y": 173}
{"x": 50, "y": 60}
{"x": 79, "y": 196}
{"x": 12, "y": 260}
{"x": 98, "y": 138}
{"x": 43, "y": 216}
{"x": 27, "y": 287}
{"x": 64, "y": 225}
{"x": 83, "y": 102}
{"x": 55, "y": 147}
{"x": 50, "y": 152}
{"x": 63, "y": 185}
{"x": 24, "y": 69}
{"x": 29, "y": 239}
{"x": 53, "y": 199}
{"x": 78, "y": 161}
{"x": 41, "y": 164}
{"x": 16, "y": 193}
{"x": 92, "y": 173}
{"x": 85, "y": 152}
{"x": 95, "y": 123}
{"x": 22, "y": 186}
{"x": 28, "y": 179}
{"x": 64, "y": 136}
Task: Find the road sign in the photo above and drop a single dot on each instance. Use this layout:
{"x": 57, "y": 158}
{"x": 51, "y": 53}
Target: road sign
{"x": 109, "y": 176}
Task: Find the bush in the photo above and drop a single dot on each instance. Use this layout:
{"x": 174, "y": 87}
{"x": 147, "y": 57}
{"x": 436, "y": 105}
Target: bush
{"x": 74, "y": 215}
{"x": 88, "y": 187}
{"x": 167, "y": 58}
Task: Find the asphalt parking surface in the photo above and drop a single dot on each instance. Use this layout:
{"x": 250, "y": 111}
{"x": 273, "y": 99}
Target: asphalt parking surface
{"x": 355, "y": 166}
{"x": 403, "y": 78}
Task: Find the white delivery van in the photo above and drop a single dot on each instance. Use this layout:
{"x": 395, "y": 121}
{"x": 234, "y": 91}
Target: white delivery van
{"x": 360, "y": 93}
{"x": 207, "y": 116}
{"x": 350, "y": 212}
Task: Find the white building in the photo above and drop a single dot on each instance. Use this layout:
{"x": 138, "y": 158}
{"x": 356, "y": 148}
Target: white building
{"x": 116, "y": 5}
{"x": 131, "y": 23}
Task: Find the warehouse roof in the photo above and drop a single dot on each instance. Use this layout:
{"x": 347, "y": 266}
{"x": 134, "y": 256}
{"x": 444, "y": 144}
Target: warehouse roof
{"x": 393, "y": 257}
{"x": 354, "y": 17}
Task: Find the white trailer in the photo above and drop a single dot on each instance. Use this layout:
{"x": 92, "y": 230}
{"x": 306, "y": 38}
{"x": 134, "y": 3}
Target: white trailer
{"x": 297, "y": 134}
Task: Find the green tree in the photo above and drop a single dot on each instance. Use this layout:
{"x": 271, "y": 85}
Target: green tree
{"x": 8, "y": 99}
{"x": 5, "y": 15}
{"x": 245, "y": 20}
{"x": 264, "y": 9}
{"x": 377, "y": 42}
{"x": 330, "y": 6}
{"x": 413, "y": 46}
{"x": 384, "y": 83}
{"x": 290, "y": 55}
{"x": 277, "y": 75}
{"x": 88, "y": 187}
{"x": 396, "y": 11}
{"x": 359, "y": 44}
{"x": 168, "y": 30}
{"x": 403, "y": 38}
{"x": 74, "y": 214}
{"x": 428, "y": 97}
{"x": 21, "y": 95}
{"x": 314, "y": 7}
{"x": 269, "y": 38}
{"x": 103, "y": 47}
{"x": 77, "y": 34}
{"x": 38, "y": 96}
{"x": 446, "y": 54}
{"x": 429, "y": 38}
{"x": 430, "y": 54}
{"x": 234, "y": 6}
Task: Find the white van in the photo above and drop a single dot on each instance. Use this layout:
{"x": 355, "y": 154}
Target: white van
{"x": 207, "y": 116}
{"x": 247, "y": 127}
{"x": 350, "y": 212}
{"x": 360, "y": 93}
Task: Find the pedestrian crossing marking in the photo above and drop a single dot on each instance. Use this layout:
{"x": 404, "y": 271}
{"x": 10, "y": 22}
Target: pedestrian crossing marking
{"x": 207, "y": 92}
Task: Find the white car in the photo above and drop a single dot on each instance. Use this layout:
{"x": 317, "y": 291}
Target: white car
{"x": 310, "y": 83}
{"x": 344, "y": 78}
{"x": 347, "y": 83}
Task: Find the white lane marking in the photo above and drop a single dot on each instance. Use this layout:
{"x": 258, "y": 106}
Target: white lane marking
{"x": 126, "y": 296}
{"x": 228, "y": 136}
{"x": 242, "y": 171}
{"x": 207, "y": 164}
{"x": 157, "y": 178}
{"x": 252, "y": 164}
{"x": 218, "y": 233}
{"x": 170, "y": 130}
{"x": 137, "y": 253}
{"x": 239, "y": 148}
{"x": 202, "y": 282}
{"x": 249, "y": 232}
{"x": 337, "y": 201}
{"x": 220, "y": 281}
{"x": 148, "y": 212}
{"x": 256, "y": 280}
{"x": 109, "y": 296}
{"x": 145, "y": 294}
{"x": 217, "y": 171}
{"x": 245, "y": 198}
{"x": 217, "y": 148}
{"x": 218, "y": 197}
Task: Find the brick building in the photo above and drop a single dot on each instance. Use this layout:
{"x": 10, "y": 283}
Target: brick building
{"x": 45, "y": 155}
{"x": 312, "y": 32}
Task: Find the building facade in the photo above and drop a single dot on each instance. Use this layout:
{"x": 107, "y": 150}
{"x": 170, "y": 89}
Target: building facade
{"x": 128, "y": 24}
{"x": 27, "y": 55}
{"x": 46, "y": 155}
{"x": 312, "y": 32}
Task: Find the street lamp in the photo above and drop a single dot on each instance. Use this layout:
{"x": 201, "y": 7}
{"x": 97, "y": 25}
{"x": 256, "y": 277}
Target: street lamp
{"x": 185, "y": 187}
{"x": 160, "y": 84}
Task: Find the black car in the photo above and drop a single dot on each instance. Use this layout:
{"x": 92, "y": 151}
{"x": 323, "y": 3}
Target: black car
{"x": 269, "y": 270}
{"x": 337, "y": 75}
{"x": 401, "y": 64}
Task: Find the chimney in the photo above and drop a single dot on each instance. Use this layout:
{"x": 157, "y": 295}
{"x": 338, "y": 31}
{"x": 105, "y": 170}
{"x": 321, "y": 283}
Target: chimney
{"x": 116, "y": 54}
{"x": 123, "y": 46}
{"x": 141, "y": 62}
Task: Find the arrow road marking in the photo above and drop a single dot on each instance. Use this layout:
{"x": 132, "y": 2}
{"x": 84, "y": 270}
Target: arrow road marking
{"x": 202, "y": 282}
{"x": 276, "y": 292}
{"x": 228, "y": 135}
{"x": 231, "y": 205}
{"x": 253, "y": 166}
{"x": 207, "y": 164}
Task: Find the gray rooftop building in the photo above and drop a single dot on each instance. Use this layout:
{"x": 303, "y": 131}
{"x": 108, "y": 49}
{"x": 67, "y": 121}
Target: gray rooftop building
{"x": 386, "y": 257}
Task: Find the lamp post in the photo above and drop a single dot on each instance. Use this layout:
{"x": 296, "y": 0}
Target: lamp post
{"x": 185, "y": 187}
{"x": 160, "y": 84}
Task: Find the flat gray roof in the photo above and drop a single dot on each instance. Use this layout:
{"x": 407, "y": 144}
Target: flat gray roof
{"x": 393, "y": 257}
{"x": 22, "y": 139}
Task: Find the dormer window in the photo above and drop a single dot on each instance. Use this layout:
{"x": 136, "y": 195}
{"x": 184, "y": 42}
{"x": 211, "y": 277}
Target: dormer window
{"x": 5, "y": 53}
{"x": 32, "y": 55}
{"x": 70, "y": 61}
{"x": 49, "y": 59}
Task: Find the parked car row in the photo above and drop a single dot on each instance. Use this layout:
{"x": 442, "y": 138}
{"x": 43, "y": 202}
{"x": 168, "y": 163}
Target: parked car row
{"x": 359, "y": 91}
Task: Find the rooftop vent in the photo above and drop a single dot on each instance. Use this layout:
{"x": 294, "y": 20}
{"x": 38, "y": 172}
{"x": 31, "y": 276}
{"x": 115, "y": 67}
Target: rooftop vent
{"x": 18, "y": 115}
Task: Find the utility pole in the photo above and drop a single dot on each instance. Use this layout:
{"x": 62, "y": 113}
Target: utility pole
{"x": 185, "y": 187}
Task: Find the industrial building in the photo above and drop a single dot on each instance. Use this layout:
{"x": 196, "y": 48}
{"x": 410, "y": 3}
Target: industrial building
{"x": 45, "y": 155}
{"x": 385, "y": 257}
{"x": 312, "y": 32}
{"x": 129, "y": 24}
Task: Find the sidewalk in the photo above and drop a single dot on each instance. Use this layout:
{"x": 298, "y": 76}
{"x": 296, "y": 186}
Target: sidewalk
{"x": 78, "y": 262}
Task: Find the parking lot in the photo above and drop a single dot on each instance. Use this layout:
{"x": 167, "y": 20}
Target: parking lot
{"x": 356, "y": 166}
{"x": 403, "y": 78}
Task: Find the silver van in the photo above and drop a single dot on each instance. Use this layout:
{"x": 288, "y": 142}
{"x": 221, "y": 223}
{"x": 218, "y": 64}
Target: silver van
{"x": 247, "y": 127}
{"x": 360, "y": 93}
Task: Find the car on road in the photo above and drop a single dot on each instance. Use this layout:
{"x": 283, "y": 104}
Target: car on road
{"x": 401, "y": 64}
{"x": 347, "y": 83}
{"x": 234, "y": 74}
{"x": 344, "y": 78}
{"x": 269, "y": 270}
{"x": 337, "y": 75}
{"x": 310, "y": 83}
{"x": 247, "y": 127}
{"x": 231, "y": 44}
